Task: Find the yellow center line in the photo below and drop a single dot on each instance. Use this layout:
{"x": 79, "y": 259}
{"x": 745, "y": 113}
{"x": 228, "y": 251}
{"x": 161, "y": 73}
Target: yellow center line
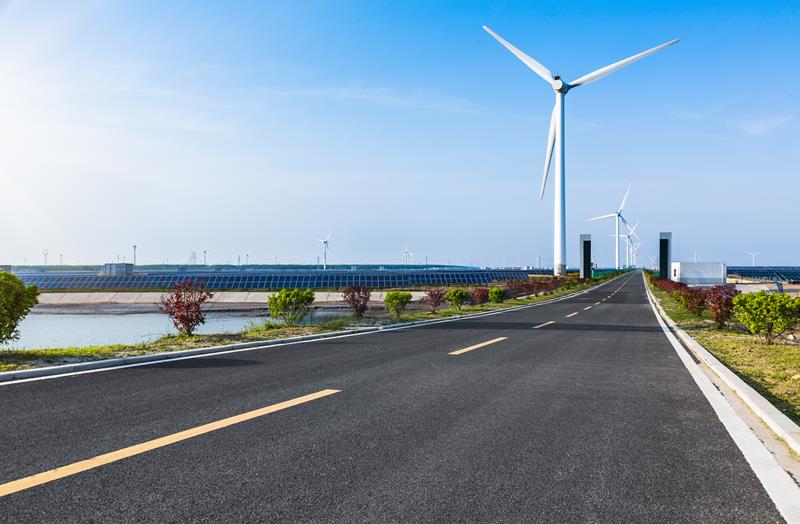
{"x": 571, "y": 314}
{"x": 545, "y": 324}
{"x": 587, "y": 308}
{"x": 107, "y": 458}
{"x": 478, "y": 346}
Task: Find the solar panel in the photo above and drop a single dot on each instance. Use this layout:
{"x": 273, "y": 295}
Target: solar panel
{"x": 275, "y": 279}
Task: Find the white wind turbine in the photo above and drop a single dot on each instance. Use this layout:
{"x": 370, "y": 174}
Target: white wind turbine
{"x": 325, "y": 247}
{"x": 753, "y": 256}
{"x": 635, "y": 252}
{"x": 617, "y": 216}
{"x": 407, "y": 255}
{"x": 555, "y": 136}
{"x": 629, "y": 256}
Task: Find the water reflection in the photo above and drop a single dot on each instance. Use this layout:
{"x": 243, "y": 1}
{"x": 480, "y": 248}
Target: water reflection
{"x": 47, "y": 330}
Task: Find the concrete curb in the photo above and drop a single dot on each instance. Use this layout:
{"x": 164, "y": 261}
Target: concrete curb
{"x": 10, "y": 376}
{"x": 779, "y": 423}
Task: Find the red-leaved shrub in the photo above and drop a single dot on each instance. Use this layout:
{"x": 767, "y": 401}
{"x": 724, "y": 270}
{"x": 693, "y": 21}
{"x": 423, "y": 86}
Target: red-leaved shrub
{"x": 694, "y": 299}
{"x": 434, "y": 297}
{"x": 479, "y": 295}
{"x": 357, "y": 297}
{"x": 719, "y": 300}
{"x": 184, "y": 306}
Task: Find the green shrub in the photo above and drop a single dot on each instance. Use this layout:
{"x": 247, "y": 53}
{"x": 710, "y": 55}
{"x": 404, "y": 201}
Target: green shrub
{"x": 768, "y": 315}
{"x": 497, "y": 295}
{"x": 16, "y": 301}
{"x": 291, "y": 305}
{"x": 396, "y": 301}
{"x": 457, "y": 297}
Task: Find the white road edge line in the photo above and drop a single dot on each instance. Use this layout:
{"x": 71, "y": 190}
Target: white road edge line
{"x": 545, "y": 324}
{"x": 268, "y": 345}
{"x": 780, "y": 487}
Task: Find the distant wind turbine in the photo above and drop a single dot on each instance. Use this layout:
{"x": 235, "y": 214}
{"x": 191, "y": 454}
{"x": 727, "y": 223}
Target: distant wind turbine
{"x": 555, "y": 137}
{"x": 629, "y": 255}
{"x": 617, "y": 216}
{"x": 753, "y": 255}
{"x": 407, "y": 255}
{"x": 325, "y": 247}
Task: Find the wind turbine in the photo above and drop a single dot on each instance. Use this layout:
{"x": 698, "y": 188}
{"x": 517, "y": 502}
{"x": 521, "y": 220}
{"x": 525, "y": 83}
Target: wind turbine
{"x": 617, "y": 216}
{"x": 629, "y": 255}
{"x": 635, "y": 253}
{"x": 407, "y": 255}
{"x": 555, "y": 136}
{"x": 753, "y": 255}
{"x": 325, "y": 247}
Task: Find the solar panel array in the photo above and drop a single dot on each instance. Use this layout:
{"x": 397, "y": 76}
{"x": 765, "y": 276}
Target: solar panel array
{"x": 786, "y": 273}
{"x": 314, "y": 279}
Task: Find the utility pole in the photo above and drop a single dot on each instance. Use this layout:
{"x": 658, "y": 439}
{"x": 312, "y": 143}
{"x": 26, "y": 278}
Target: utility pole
{"x": 134, "y": 254}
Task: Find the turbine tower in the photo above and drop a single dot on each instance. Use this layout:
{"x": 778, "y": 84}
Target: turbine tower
{"x": 555, "y": 137}
{"x": 617, "y": 216}
{"x": 753, "y": 256}
{"x": 325, "y": 250}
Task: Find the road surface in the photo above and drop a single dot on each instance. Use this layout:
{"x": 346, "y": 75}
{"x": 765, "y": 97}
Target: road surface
{"x": 578, "y": 410}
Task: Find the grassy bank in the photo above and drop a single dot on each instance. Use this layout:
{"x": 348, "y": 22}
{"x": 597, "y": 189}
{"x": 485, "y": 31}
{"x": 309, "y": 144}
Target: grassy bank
{"x": 773, "y": 371}
{"x": 11, "y": 360}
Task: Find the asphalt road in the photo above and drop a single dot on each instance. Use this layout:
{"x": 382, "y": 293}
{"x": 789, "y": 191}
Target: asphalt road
{"x": 592, "y": 418}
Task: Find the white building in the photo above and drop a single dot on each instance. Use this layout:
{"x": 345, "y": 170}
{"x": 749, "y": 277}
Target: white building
{"x": 699, "y": 273}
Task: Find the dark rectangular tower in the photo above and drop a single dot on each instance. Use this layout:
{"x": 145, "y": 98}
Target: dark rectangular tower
{"x": 664, "y": 255}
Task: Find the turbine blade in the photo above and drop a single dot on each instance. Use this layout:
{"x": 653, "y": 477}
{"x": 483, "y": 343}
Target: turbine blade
{"x": 624, "y": 221}
{"x": 548, "y": 154}
{"x": 625, "y": 198}
{"x": 538, "y": 68}
{"x": 610, "y": 215}
{"x": 607, "y": 70}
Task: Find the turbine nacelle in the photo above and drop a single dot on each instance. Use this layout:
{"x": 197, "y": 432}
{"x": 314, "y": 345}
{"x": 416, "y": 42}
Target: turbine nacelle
{"x": 559, "y": 86}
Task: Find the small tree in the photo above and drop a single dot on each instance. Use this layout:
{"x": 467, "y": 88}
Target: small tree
{"x": 768, "y": 315}
{"x": 480, "y": 295}
{"x": 497, "y": 295}
{"x": 434, "y": 297}
{"x": 291, "y": 305}
{"x": 457, "y": 297}
{"x": 396, "y": 301}
{"x": 357, "y": 297}
{"x": 719, "y": 301}
{"x": 16, "y": 301}
{"x": 184, "y": 306}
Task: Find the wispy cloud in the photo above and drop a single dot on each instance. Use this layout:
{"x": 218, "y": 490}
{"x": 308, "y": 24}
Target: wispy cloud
{"x": 380, "y": 96}
{"x": 762, "y": 125}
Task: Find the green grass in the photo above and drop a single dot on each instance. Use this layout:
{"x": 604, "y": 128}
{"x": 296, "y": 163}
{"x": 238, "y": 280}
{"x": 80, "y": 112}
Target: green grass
{"x": 773, "y": 371}
{"x": 11, "y": 360}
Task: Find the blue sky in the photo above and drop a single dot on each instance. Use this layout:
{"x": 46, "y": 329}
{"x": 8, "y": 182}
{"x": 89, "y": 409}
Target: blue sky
{"x": 257, "y": 127}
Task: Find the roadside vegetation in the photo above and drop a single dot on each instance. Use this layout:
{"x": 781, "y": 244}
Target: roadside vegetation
{"x": 291, "y": 306}
{"x": 16, "y": 301}
{"x": 754, "y": 334}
